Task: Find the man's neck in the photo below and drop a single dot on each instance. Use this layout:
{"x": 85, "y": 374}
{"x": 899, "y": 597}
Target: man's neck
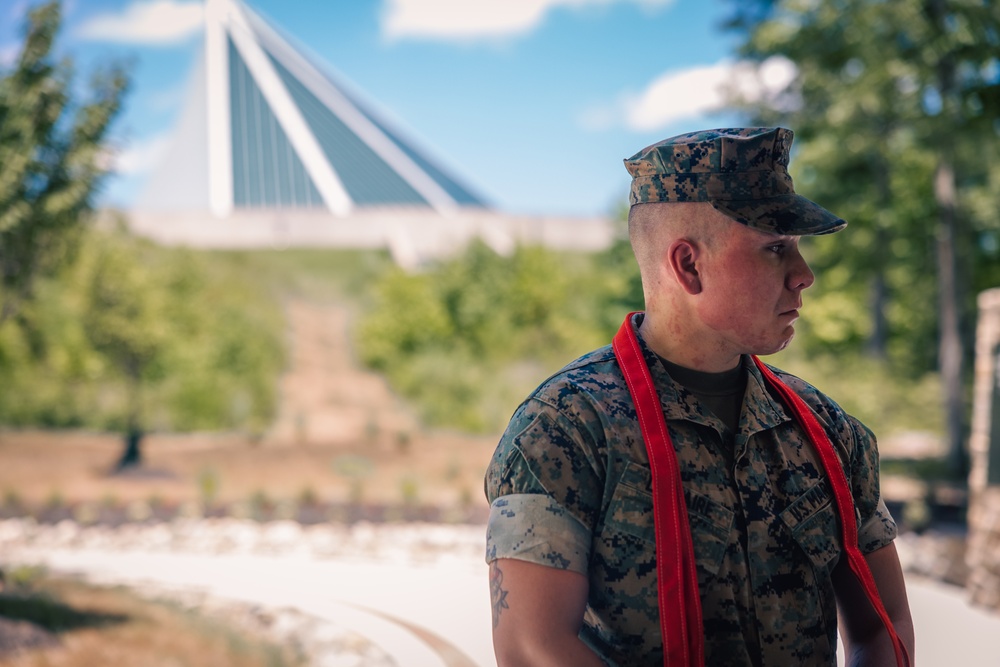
{"x": 674, "y": 340}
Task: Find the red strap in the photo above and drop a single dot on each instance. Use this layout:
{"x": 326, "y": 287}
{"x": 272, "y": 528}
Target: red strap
{"x": 843, "y": 499}
{"x": 679, "y": 600}
{"x": 677, "y": 577}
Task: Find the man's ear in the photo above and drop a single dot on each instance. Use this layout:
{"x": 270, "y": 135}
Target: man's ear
{"x": 682, "y": 256}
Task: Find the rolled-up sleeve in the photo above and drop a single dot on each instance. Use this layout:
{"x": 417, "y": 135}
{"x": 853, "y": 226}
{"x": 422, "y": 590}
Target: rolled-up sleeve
{"x": 543, "y": 490}
{"x": 535, "y": 528}
{"x": 876, "y": 527}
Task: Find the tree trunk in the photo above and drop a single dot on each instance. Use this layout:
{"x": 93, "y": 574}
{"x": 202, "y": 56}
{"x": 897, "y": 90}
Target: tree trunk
{"x": 878, "y": 342}
{"x": 132, "y": 455}
{"x": 950, "y": 352}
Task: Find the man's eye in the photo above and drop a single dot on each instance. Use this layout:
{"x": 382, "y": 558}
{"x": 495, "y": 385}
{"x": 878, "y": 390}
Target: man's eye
{"x": 777, "y": 248}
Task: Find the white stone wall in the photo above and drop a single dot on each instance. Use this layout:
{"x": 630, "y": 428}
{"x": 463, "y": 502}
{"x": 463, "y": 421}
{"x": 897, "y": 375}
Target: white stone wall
{"x": 413, "y": 236}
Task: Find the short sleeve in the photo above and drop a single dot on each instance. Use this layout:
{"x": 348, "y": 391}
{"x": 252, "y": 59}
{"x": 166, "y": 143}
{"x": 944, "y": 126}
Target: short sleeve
{"x": 544, "y": 492}
{"x": 534, "y": 528}
{"x": 876, "y": 527}
{"x": 543, "y": 451}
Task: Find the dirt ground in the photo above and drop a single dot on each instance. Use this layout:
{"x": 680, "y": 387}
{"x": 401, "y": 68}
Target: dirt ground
{"x": 340, "y": 435}
{"x": 440, "y": 469}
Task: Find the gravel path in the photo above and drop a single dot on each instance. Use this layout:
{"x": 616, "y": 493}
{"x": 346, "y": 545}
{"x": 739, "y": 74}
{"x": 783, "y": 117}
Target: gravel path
{"x": 378, "y": 595}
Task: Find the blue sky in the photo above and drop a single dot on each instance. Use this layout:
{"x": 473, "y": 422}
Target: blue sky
{"x": 534, "y": 103}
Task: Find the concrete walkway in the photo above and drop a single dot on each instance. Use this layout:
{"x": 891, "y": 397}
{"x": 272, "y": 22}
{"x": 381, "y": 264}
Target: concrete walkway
{"x": 948, "y": 630}
{"x": 434, "y": 615}
{"x": 438, "y": 615}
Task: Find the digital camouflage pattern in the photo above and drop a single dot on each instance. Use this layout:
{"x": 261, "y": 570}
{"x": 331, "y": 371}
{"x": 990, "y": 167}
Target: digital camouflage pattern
{"x": 570, "y": 487}
{"x": 742, "y": 172}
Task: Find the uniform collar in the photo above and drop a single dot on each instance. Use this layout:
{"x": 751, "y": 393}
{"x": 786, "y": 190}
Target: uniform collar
{"x": 761, "y": 410}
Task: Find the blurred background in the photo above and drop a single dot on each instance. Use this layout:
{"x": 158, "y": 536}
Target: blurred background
{"x": 299, "y": 262}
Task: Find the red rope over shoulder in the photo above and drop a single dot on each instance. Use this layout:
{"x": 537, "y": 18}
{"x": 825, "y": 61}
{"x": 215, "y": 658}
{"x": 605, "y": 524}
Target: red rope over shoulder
{"x": 678, "y": 597}
{"x": 677, "y": 576}
{"x": 842, "y": 497}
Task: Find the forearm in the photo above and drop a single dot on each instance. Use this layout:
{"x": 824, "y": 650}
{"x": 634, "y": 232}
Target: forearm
{"x": 866, "y": 641}
{"x": 878, "y": 649}
{"x": 861, "y": 656}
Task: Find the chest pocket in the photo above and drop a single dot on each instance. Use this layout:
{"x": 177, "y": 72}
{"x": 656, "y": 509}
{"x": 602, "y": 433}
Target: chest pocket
{"x": 631, "y": 512}
{"x": 813, "y": 522}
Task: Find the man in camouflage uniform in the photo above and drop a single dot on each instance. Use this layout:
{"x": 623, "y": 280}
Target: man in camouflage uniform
{"x": 715, "y": 225}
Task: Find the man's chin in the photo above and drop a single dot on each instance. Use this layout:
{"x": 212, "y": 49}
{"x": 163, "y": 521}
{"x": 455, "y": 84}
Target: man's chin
{"x": 779, "y": 346}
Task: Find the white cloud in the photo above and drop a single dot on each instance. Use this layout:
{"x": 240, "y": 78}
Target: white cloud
{"x": 464, "y": 20}
{"x": 765, "y": 83}
{"x": 16, "y": 14}
{"x": 138, "y": 157}
{"x": 688, "y": 94}
{"x": 152, "y": 22}
{"x": 9, "y": 54}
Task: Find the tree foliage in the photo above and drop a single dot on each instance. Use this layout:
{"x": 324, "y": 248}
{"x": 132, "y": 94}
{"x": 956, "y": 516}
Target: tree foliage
{"x": 896, "y": 108}
{"x": 136, "y": 337}
{"x": 127, "y": 336}
{"x": 468, "y": 339}
{"x": 52, "y": 155}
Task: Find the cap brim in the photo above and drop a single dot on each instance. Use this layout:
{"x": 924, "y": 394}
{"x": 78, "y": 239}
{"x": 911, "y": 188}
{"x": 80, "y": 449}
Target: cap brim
{"x": 790, "y": 214}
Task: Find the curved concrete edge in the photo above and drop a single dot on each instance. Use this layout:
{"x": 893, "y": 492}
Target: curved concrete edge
{"x": 426, "y": 616}
{"x": 227, "y": 578}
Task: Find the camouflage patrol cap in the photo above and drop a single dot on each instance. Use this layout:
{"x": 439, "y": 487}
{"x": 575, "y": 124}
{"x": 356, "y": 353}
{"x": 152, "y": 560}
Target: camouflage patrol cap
{"x": 742, "y": 172}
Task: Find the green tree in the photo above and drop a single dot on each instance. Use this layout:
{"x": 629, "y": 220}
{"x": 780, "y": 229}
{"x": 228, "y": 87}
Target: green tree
{"x": 192, "y": 346}
{"x": 895, "y": 107}
{"x": 51, "y": 151}
{"x": 125, "y": 319}
{"x": 469, "y": 338}
{"x": 134, "y": 337}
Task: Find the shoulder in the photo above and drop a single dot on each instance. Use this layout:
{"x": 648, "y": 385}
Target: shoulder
{"x": 594, "y": 367}
{"x": 556, "y": 441}
{"x": 843, "y": 428}
{"x": 816, "y": 399}
{"x": 593, "y": 381}
{"x": 570, "y": 414}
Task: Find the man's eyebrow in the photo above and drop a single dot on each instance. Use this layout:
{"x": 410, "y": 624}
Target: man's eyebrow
{"x": 773, "y": 237}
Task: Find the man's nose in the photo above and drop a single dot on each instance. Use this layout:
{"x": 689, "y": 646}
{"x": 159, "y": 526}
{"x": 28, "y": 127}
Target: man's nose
{"x": 800, "y": 276}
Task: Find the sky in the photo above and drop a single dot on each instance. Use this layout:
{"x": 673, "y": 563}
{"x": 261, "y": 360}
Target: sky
{"x": 533, "y": 103}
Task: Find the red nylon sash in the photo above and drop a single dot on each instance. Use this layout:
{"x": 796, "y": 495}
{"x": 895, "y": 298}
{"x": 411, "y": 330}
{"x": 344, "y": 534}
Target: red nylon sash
{"x": 678, "y": 597}
{"x": 677, "y": 576}
{"x": 842, "y": 498}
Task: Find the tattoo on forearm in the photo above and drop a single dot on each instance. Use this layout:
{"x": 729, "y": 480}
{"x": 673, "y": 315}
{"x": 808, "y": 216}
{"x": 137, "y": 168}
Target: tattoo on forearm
{"x": 497, "y": 593}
